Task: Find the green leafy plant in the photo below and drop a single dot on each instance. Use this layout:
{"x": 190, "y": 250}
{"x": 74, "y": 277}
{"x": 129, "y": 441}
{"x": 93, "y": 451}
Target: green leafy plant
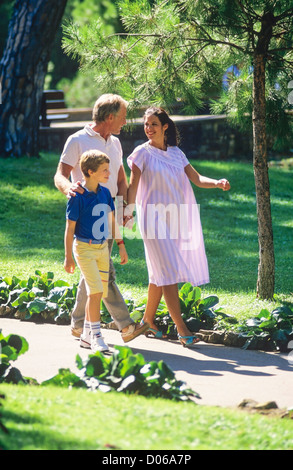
{"x": 11, "y": 347}
{"x": 198, "y": 312}
{"x": 40, "y": 296}
{"x": 269, "y": 331}
{"x": 121, "y": 372}
{"x": 124, "y": 372}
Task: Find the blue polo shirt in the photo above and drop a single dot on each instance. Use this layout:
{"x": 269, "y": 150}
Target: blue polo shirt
{"x": 90, "y": 212}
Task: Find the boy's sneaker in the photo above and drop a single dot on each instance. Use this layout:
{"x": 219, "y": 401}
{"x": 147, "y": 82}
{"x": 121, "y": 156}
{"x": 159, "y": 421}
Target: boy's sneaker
{"x": 98, "y": 344}
{"x": 85, "y": 342}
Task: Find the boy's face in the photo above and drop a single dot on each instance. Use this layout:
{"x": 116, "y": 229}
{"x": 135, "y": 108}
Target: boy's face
{"x": 102, "y": 174}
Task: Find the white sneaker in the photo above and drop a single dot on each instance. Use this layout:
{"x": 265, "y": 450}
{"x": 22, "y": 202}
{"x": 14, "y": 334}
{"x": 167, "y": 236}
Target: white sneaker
{"x": 85, "y": 342}
{"x": 98, "y": 344}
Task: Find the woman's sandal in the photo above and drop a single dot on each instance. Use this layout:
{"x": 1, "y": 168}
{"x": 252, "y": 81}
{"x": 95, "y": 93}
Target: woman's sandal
{"x": 188, "y": 341}
{"x": 151, "y": 332}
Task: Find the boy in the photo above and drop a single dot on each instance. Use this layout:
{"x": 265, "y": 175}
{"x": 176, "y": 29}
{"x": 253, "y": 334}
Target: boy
{"x": 89, "y": 216}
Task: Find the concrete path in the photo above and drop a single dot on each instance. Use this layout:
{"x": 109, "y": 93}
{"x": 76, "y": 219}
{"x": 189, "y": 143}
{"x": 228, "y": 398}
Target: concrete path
{"x": 222, "y": 376}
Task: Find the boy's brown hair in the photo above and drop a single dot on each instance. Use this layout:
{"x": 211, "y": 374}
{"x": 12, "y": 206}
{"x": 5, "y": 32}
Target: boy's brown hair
{"x": 91, "y": 160}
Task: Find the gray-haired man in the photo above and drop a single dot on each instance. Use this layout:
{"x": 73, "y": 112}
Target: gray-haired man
{"x": 109, "y": 116}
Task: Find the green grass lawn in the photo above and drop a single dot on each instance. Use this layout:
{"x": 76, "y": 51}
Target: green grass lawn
{"x": 32, "y": 221}
{"x": 58, "y": 419}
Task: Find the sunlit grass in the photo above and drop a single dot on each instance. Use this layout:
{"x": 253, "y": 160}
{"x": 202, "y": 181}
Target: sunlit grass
{"x": 32, "y": 221}
{"x": 51, "y": 418}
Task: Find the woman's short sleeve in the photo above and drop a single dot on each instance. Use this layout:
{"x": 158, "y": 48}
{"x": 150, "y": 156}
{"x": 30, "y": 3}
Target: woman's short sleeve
{"x": 185, "y": 160}
{"x": 138, "y": 158}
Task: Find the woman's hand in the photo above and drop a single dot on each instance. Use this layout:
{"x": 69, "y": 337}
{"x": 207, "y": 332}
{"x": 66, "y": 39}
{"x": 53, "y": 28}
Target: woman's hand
{"x": 223, "y": 184}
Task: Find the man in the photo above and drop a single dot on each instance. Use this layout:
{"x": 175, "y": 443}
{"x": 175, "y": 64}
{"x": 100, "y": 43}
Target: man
{"x": 109, "y": 116}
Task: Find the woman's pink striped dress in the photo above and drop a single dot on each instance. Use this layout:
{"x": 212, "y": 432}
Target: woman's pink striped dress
{"x": 168, "y": 218}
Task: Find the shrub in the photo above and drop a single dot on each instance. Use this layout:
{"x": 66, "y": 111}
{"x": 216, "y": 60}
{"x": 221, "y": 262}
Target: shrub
{"x": 125, "y": 372}
{"x": 38, "y": 297}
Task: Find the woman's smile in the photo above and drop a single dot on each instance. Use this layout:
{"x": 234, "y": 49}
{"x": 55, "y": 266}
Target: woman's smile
{"x": 154, "y": 131}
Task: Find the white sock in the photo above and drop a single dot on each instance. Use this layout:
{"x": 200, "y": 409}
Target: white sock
{"x": 95, "y": 328}
{"x": 86, "y": 329}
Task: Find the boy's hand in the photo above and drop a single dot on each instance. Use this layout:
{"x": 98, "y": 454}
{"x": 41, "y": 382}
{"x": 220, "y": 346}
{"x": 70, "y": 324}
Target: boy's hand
{"x": 69, "y": 265}
{"x": 224, "y": 184}
{"x": 123, "y": 254}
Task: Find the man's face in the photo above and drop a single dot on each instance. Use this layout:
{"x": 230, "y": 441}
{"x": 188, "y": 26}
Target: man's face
{"x": 118, "y": 121}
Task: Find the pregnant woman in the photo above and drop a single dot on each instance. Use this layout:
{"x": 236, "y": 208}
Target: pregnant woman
{"x": 168, "y": 218}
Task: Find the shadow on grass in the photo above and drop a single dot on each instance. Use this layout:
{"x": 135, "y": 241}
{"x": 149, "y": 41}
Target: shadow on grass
{"x": 35, "y": 434}
{"x": 32, "y": 223}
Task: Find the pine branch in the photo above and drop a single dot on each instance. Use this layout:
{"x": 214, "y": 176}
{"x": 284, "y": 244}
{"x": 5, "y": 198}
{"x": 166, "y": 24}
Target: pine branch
{"x": 191, "y": 57}
{"x": 248, "y": 12}
{"x": 286, "y": 14}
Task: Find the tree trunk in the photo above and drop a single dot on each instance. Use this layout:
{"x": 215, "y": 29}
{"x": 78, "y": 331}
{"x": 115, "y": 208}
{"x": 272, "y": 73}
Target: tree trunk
{"x": 266, "y": 268}
{"x": 22, "y": 73}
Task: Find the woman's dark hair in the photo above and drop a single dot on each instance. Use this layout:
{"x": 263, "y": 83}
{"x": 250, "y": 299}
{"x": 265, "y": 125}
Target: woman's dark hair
{"x": 171, "y": 135}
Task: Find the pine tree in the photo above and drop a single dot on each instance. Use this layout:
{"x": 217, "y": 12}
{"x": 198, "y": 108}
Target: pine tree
{"x": 176, "y": 51}
{"x": 22, "y": 73}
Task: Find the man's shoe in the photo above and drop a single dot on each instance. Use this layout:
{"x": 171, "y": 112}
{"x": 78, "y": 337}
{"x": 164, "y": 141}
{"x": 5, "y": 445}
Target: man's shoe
{"x": 76, "y": 332}
{"x": 134, "y": 330}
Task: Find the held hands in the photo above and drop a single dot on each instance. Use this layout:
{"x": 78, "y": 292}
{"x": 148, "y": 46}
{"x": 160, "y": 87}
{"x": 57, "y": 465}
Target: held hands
{"x": 128, "y": 216}
{"x": 223, "y": 184}
{"x": 123, "y": 254}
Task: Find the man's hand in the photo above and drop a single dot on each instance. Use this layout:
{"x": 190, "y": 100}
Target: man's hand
{"x": 75, "y": 188}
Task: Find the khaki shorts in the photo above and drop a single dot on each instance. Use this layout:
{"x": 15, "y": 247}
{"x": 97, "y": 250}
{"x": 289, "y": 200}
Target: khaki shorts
{"x": 93, "y": 261}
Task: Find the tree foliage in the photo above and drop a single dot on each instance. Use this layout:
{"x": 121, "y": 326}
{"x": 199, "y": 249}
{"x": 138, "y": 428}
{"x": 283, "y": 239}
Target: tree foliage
{"x": 23, "y": 68}
{"x": 61, "y": 67}
{"x": 175, "y": 52}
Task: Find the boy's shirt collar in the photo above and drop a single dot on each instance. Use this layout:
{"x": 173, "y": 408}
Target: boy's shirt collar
{"x": 89, "y": 193}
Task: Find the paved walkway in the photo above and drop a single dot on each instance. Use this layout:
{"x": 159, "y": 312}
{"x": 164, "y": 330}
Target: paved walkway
{"x": 222, "y": 376}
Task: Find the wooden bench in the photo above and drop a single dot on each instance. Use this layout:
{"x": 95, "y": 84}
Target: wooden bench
{"x": 53, "y": 107}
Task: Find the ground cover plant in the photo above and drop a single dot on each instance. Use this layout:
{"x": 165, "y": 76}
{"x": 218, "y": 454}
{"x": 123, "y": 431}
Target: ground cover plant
{"x": 229, "y": 223}
{"x": 123, "y": 372}
{"x": 41, "y": 298}
{"x": 40, "y": 417}
{"x": 32, "y": 222}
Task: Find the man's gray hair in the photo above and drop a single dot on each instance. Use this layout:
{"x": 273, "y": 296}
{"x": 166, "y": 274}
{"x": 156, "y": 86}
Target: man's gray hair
{"x": 107, "y": 104}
